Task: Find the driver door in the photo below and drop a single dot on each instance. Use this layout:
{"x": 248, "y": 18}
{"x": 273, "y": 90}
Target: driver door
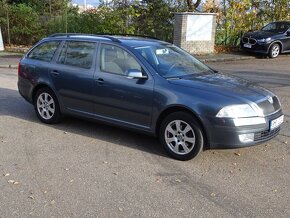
{"x": 120, "y": 98}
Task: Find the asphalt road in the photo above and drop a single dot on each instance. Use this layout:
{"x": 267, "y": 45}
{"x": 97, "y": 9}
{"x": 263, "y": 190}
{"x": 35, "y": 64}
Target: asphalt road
{"x": 83, "y": 169}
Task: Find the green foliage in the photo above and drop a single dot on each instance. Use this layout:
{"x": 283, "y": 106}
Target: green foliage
{"x": 155, "y": 18}
{"x": 23, "y": 21}
{"x": 30, "y": 20}
{"x": 238, "y": 16}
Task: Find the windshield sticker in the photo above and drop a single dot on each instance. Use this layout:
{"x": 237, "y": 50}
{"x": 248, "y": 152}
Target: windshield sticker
{"x": 162, "y": 51}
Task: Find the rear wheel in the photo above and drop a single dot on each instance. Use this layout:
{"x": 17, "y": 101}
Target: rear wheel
{"x": 181, "y": 136}
{"x": 46, "y": 106}
{"x": 274, "y": 50}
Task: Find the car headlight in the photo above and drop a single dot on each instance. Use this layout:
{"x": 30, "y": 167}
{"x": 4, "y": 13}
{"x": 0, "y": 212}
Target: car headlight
{"x": 239, "y": 111}
{"x": 264, "y": 40}
{"x": 243, "y": 114}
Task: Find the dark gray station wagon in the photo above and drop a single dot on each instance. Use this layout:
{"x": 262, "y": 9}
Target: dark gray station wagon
{"x": 146, "y": 85}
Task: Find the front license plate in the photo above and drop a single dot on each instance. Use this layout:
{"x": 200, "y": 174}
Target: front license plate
{"x": 276, "y": 123}
{"x": 247, "y": 45}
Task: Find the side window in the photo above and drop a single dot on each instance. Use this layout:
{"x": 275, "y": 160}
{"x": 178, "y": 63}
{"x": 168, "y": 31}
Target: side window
{"x": 77, "y": 54}
{"x": 116, "y": 60}
{"x": 44, "y": 51}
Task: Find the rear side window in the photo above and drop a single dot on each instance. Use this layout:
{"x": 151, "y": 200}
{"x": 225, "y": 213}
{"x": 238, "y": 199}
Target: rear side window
{"x": 44, "y": 51}
{"x": 77, "y": 54}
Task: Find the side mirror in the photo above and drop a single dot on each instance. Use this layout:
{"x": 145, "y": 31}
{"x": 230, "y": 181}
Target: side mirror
{"x": 135, "y": 74}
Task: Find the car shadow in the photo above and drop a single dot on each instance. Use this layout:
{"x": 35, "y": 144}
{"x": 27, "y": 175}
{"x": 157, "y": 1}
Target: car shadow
{"x": 12, "y": 104}
{"x": 255, "y": 55}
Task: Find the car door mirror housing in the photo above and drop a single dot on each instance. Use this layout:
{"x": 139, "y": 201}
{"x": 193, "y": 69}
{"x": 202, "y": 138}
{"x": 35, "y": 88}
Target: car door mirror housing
{"x": 135, "y": 74}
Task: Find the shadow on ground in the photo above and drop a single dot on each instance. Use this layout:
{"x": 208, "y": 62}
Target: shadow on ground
{"x": 12, "y": 104}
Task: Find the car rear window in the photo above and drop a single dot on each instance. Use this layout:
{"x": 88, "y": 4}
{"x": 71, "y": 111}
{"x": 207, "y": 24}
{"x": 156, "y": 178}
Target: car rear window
{"x": 44, "y": 51}
{"x": 77, "y": 54}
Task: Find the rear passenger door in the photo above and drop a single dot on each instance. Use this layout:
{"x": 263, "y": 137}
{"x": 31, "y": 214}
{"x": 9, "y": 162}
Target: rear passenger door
{"x": 118, "y": 98}
{"x": 72, "y": 75}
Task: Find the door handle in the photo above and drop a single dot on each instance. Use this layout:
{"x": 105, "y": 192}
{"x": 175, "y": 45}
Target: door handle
{"x": 100, "y": 81}
{"x": 55, "y": 73}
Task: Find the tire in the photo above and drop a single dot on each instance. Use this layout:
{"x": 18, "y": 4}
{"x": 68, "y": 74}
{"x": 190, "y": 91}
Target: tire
{"x": 274, "y": 50}
{"x": 184, "y": 142}
{"x": 46, "y": 106}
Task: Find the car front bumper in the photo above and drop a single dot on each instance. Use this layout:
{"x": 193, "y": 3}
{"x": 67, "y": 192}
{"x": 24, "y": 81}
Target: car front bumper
{"x": 222, "y": 133}
{"x": 262, "y": 48}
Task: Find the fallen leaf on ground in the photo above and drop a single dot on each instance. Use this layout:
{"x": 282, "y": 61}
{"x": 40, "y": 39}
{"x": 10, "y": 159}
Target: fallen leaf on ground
{"x": 31, "y": 197}
{"x": 120, "y": 209}
{"x": 6, "y": 174}
{"x": 238, "y": 154}
{"x": 177, "y": 180}
{"x": 11, "y": 181}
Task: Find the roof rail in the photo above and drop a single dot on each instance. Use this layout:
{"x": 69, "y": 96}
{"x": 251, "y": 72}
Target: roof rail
{"x": 113, "y": 39}
{"x": 136, "y": 35}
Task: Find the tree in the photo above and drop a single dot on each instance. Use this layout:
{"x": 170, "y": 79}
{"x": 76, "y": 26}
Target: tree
{"x": 154, "y": 18}
{"x": 25, "y": 26}
{"x": 192, "y": 6}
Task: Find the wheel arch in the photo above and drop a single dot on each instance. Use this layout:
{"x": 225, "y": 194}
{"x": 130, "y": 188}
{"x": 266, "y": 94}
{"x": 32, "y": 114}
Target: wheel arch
{"x": 277, "y": 42}
{"x": 180, "y": 108}
{"x": 38, "y": 87}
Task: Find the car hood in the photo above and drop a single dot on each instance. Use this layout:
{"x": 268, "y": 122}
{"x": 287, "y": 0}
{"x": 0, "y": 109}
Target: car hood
{"x": 224, "y": 85}
{"x": 260, "y": 34}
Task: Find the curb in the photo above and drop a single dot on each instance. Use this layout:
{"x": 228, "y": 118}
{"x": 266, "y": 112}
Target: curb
{"x": 10, "y": 66}
{"x": 205, "y": 60}
{"x": 225, "y": 59}
{"x": 17, "y": 50}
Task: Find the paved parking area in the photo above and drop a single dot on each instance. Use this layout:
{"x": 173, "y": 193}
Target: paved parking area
{"x": 83, "y": 169}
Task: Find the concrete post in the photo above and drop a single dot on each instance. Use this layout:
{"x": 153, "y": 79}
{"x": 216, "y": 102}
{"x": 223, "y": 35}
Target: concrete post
{"x": 195, "y": 32}
{"x": 1, "y": 41}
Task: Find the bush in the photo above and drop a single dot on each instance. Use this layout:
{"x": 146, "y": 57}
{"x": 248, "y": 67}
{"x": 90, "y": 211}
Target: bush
{"x": 24, "y": 23}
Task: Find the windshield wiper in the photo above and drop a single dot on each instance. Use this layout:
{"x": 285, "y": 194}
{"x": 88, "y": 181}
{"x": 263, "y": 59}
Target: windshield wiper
{"x": 173, "y": 78}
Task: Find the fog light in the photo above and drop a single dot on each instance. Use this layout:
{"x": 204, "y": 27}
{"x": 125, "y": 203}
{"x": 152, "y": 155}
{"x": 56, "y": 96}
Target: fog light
{"x": 247, "y": 137}
{"x": 249, "y": 121}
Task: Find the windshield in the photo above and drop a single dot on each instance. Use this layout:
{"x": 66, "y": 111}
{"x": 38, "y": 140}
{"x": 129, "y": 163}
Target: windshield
{"x": 172, "y": 62}
{"x": 276, "y": 27}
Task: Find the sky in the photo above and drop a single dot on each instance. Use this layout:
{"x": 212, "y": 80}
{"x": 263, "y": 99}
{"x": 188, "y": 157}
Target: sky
{"x": 89, "y": 2}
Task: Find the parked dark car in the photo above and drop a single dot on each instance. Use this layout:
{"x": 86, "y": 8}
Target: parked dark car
{"x": 149, "y": 86}
{"x": 271, "y": 40}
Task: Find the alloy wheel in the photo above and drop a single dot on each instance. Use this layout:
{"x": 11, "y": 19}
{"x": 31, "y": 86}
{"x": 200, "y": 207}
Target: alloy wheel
{"x": 275, "y": 51}
{"x": 45, "y": 106}
{"x": 180, "y": 137}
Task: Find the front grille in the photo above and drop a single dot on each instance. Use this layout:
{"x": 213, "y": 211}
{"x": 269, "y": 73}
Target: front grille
{"x": 252, "y": 41}
{"x": 245, "y": 40}
{"x": 264, "y": 135}
{"x": 268, "y": 107}
{"x": 249, "y": 40}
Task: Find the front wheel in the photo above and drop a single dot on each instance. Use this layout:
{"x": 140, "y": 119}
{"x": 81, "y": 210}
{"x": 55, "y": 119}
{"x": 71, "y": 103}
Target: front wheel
{"x": 181, "y": 136}
{"x": 274, "y": 50}
{"x": 46, "y": 106}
